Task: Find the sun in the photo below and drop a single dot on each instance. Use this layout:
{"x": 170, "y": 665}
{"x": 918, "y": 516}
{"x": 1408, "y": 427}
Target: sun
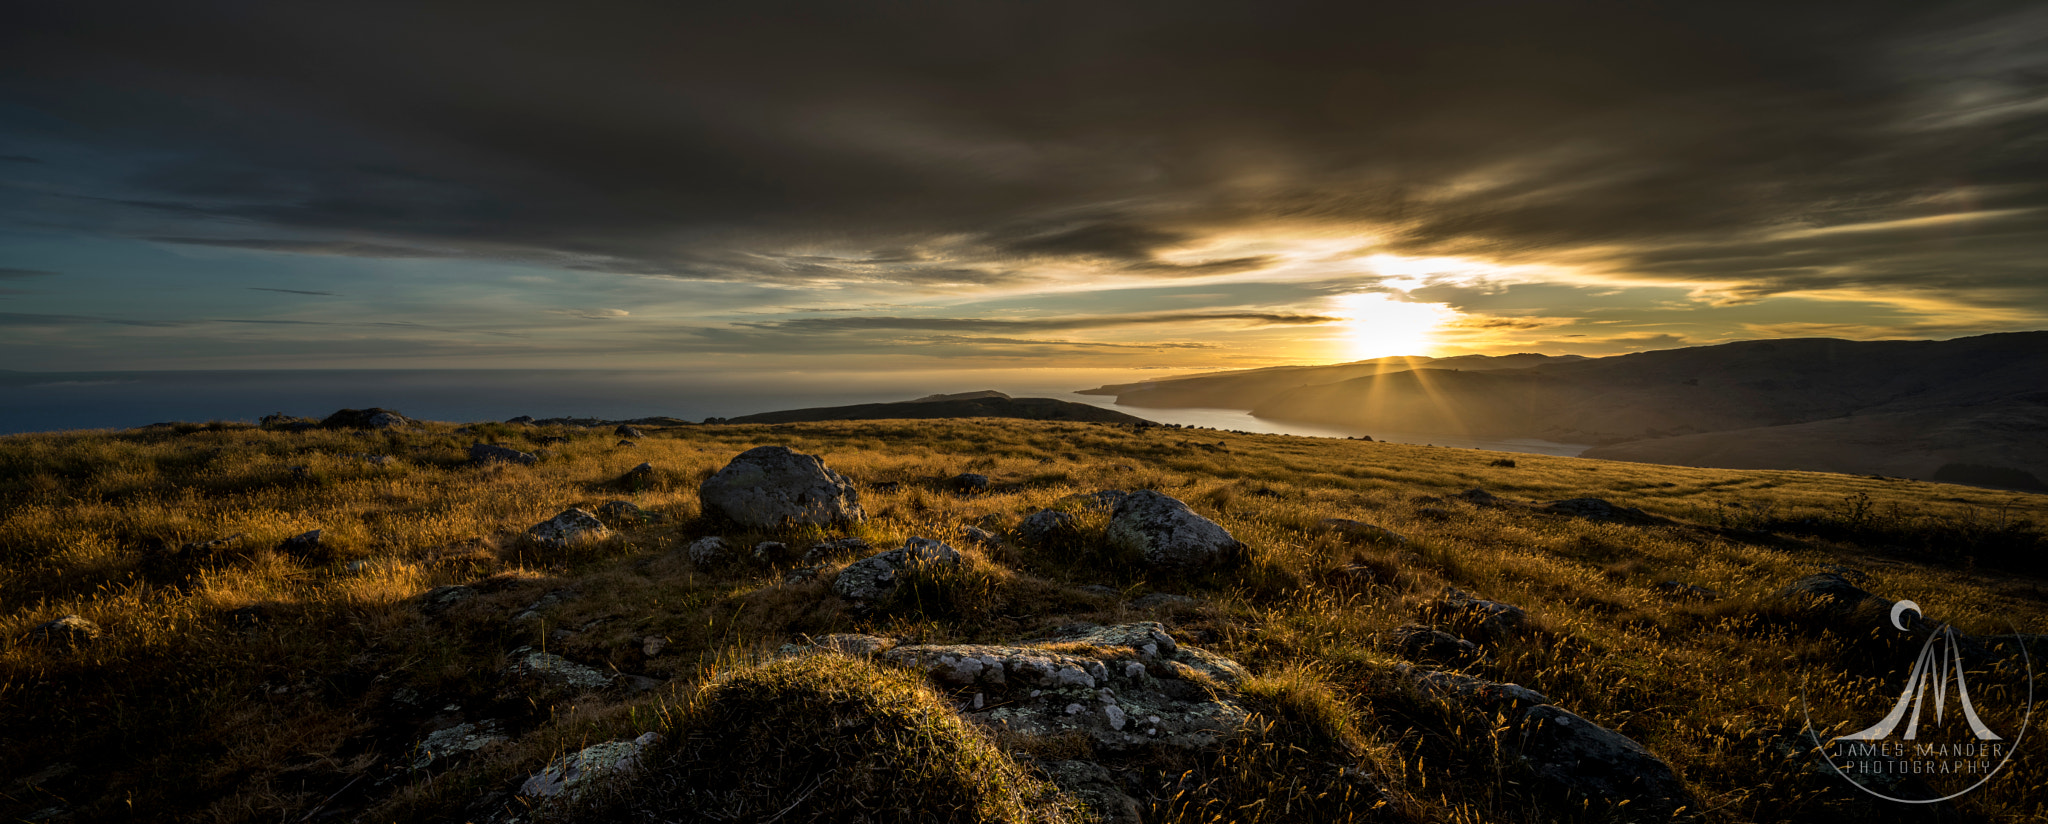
{"x": 1377, "y": 325}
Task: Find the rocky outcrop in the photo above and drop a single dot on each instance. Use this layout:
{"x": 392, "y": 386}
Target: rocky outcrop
{"x": 1168, "y": 535}
{"x": 572, "y": 527}
{"x": 487, "y": 453}
{"x": 768, "y": 487}
{"x": 876, "y": 577}
{"x": 1125, "y": 688}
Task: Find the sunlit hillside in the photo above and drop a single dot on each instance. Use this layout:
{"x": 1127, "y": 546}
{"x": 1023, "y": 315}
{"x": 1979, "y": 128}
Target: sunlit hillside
{"x": 237, "y": 675}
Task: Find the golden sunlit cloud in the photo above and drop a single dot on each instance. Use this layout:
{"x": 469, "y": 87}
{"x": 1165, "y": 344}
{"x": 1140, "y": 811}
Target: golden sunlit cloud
{"x": 1377, "y": 325}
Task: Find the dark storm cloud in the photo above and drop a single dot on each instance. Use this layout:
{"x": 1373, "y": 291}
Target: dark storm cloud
{"x": 962, "y": 144}
{"x": 855, "y": 324}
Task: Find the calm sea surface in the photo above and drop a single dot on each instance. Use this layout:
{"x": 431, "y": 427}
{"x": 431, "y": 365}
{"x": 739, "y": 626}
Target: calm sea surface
{"x": 48, "y": 401}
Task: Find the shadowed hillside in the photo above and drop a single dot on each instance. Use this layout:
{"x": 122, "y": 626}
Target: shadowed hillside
{"x": 984, "y": 404}
{"x": 1252, "y": 387}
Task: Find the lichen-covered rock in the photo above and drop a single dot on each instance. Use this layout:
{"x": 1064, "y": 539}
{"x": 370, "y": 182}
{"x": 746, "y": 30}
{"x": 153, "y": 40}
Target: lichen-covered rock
{"x": 69, "y": 629}
{"x": 572, "y": 775}
{"x": 442, "y": 599}
{"x": 443, "y": 746}
{"x": 773, "y": 486}
{"x": 546, "y": 676}
{"x": 571, "y": 527}
{"x": 875, "y": 577}
{"x": 1424, "y": 644}
{"x": 487, "y": 453}
{"x": 1488, "y": 620}
{"x": 709, "y": 551}
{"x": 1169, "y": 535}
{"x": 1586, "y": 760}
{"x": 1046, "y": 527}
{"x": 1363, "y": 532}
{"x": 1124, "y": 687}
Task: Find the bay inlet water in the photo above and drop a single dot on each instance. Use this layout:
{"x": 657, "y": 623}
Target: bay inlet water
{"x": 55, "y": 401}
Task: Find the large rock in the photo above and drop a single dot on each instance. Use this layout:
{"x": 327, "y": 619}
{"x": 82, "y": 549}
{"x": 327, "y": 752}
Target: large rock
{"x": 573, "y": 526}
{"x": 876, "y": 577}
{"x": 1125, "y": 688}
{"x": 773, "y": 486}
{"x": 1586, "y": 760}
{"x": 570, "y": 776}
{"x": 1169, "y": 535}
{"x": 1568, "y": 754}
{"x": 487, "y": 453}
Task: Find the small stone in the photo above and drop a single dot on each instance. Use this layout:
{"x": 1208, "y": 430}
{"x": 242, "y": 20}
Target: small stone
{"x": 978, "y": 535}
{"x": 652, "y": 645}
{"x": 707, "y": 551}
{"x": 625, "y": 431}
{"x": 1046, "y": 527}
{"x": 484, "y": 453}
{"x": 770, "y": 552}
{"x": 626, "y": 445}
{"x": 1075, "y": 709}
{"x": 301, "y": 544}
{"x": 968, "y": 483}
{"x": 640, "y": 476}
{"x": 1115, "y": 715}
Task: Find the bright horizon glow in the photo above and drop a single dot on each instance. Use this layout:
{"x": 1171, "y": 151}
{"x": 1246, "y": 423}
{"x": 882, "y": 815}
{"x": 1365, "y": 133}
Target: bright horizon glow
{"x": 1377, "y": 325}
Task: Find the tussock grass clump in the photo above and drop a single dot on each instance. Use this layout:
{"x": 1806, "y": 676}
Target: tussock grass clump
{"x": 828, "y": 738}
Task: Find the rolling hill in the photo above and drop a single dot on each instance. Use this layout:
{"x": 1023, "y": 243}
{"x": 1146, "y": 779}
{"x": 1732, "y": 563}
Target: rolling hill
{"x": 984, "y": 404}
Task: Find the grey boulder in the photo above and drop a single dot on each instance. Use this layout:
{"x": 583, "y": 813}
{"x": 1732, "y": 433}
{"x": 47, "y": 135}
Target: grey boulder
{"x": 876, "y": 577}
{"x": 768, "y": 487}
{"x": 573, "y": 526}
{"x": 1169, "y": 535}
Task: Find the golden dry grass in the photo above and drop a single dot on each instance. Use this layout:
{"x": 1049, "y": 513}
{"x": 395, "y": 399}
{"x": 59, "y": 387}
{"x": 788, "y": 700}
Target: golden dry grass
{"x": 240, "y": 683}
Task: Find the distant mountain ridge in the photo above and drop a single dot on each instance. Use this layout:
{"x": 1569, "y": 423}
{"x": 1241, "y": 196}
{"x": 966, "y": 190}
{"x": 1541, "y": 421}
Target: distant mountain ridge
{"x": 1908, "y": 408}
{"x": 987, "y": 403}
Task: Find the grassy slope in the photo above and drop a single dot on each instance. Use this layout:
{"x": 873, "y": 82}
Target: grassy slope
{"x": 187, "y": 710}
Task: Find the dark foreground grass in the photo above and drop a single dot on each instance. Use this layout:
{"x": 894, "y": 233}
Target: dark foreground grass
{"x": 237, "y": 682}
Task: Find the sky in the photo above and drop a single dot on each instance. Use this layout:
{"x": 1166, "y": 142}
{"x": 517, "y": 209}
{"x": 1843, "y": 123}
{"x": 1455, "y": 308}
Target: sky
{"x": 988, "y": 185}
